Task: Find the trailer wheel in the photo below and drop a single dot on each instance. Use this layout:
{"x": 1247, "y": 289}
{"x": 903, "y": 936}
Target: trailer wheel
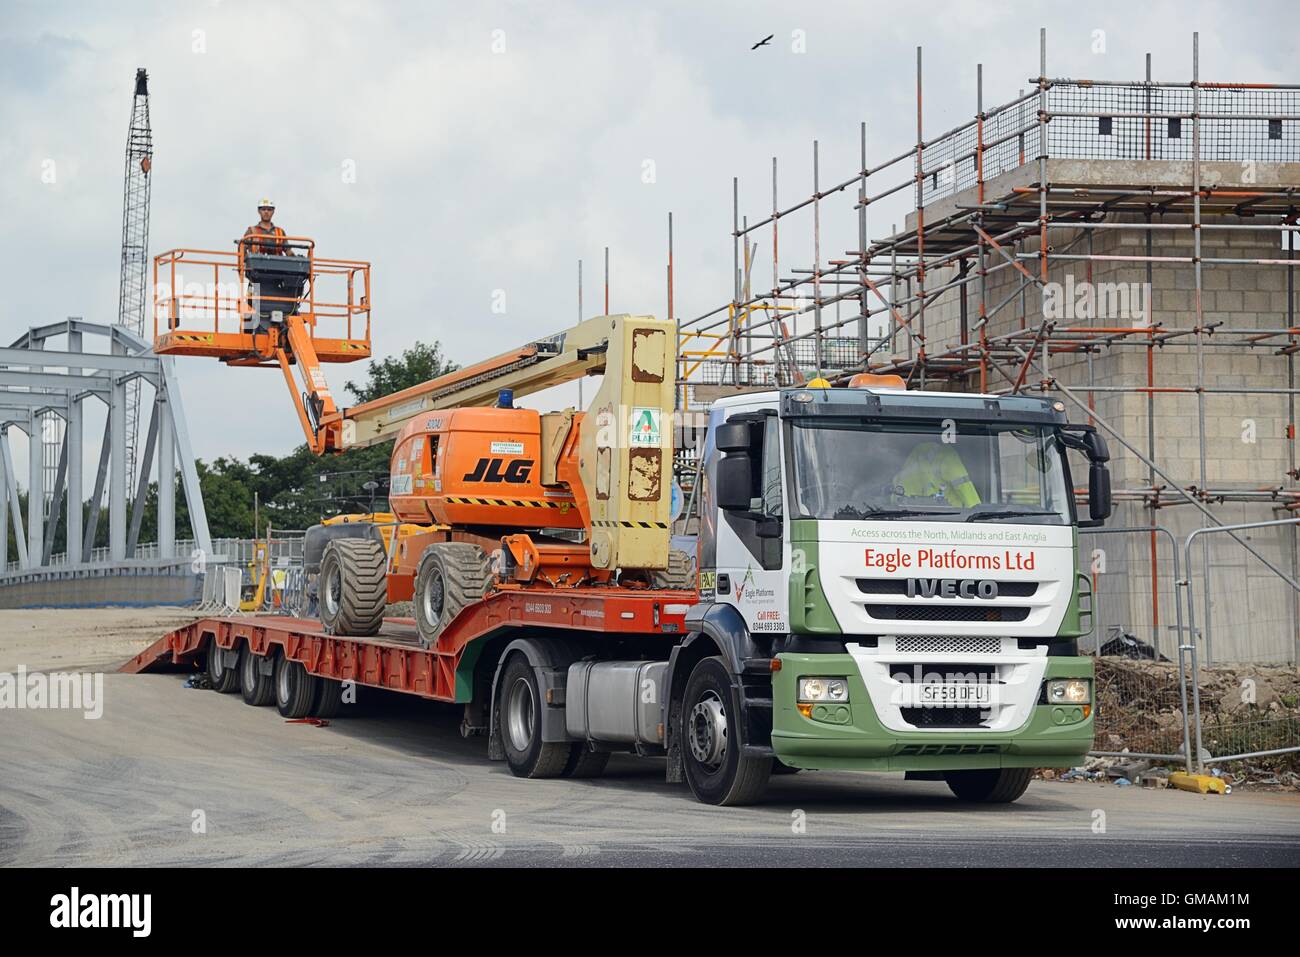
{"x": 450, "y": 576}
{"x": 353, "y": 587}
{"x": 989, "y": 785}
{"x": 584, "y": 762}
{"x": 678, "y": 576}
{"x": 258, "y": 689}
{"x": 716, "y": 770}
{"x": 519, "y": 722}
{"x": 329, "y": 698}
{"x": 221, "y": 678}
{"x": 295, "y": 689}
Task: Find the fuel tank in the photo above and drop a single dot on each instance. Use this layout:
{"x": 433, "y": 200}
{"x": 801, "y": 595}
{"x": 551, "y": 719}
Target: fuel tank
{"x": 476, "y": 466}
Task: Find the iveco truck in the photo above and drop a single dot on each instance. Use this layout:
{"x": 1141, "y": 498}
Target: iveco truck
{"x": 889, "y": 580}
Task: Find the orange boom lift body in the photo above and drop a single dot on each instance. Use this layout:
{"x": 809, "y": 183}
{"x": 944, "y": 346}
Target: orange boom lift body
{"x": 490, "y": 497}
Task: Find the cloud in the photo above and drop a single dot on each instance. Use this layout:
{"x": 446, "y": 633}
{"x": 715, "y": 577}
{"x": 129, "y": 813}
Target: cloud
{"x": 479, "y": 170}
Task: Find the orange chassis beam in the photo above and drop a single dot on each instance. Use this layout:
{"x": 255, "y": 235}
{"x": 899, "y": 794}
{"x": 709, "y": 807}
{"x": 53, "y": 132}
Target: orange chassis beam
{"x": 394, "y": 660}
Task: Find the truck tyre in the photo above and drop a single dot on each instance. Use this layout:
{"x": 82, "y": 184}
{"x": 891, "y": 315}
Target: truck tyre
{"x": 585, "y": 763}
{"x": 220, "y": 677}
{"x": 353, "y": 587}
{"x": 519, "y": 722}
{"x": 295, "y": 689}
{"x": 710, "y": 740}
{"x": 989, "y": 785}
{"x": 678, "y": 576}
{"x": 450, "y": 576}
{"x": 258, "y": 689}
{"x": 329, "y": 698}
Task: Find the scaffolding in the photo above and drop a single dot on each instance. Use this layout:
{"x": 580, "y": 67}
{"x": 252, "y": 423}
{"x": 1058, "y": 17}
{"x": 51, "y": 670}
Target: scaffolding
{"x": 1127, "y": 181}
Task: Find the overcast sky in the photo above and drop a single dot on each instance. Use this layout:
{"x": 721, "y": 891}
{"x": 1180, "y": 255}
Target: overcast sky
{"x": 494, "y": 145}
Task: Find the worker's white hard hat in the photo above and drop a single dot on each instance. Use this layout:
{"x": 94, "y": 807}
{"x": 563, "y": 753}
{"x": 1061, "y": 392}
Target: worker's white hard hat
{"x": 264, "y": 202}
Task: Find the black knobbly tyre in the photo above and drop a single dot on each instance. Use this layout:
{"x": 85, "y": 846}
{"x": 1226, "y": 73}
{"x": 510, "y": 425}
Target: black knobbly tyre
{"x": 451, "y": 575}
{"x": 989, "y": 785}
{"x": 295, "y": 689}
{"x": 220, "y": 677}
{"x": 258, "y": 689}
{"x": 710, "y": 739}
{"x": 678, "y": 576}
{"x": 353, "y": 587}
{"x": 519, "y": 722}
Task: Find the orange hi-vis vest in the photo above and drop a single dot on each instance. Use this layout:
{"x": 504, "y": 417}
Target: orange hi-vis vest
{"x": 265, "y": 241}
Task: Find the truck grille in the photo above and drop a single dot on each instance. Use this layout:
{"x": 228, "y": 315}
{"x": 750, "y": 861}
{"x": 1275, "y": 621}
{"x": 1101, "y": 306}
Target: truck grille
{"x": 898, "y": 586}
{"x": 944, "y": 717}
{"x": 918, "y": 612}
{"x": 910, "y": 750}
{"x": 947, "y": 645}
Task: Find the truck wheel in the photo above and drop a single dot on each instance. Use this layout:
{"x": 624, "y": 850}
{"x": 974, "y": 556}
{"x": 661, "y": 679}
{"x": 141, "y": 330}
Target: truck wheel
{"x": 353, "y": 587}
{"x": 451, "y": 575}
{"x": 329, "y": 698}
{"x": 710, "y": 740}
{"x": 295, "y": 689}
{"x": 519, "y": 722}
{"x": 989, "y": 785}
{"x": 221, "y": 678}
{"x": 678, "y": 576}
{"x": 258, "y": 689}
{"x": 585, "y": 763}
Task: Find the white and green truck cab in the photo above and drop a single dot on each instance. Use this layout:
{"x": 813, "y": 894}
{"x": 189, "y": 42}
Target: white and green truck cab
{"x": 889, "y": 581}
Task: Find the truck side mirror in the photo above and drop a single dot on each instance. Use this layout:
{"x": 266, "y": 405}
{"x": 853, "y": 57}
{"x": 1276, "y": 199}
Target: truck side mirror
{"x": 735, "y": 484}
{"x": 734, "y": 437}
{"x": 1086, "y": 439}
{"x": 1099, "y": 499}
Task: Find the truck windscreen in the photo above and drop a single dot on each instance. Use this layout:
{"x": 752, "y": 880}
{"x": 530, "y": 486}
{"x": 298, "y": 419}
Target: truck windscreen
{"x": 940, "y": 471}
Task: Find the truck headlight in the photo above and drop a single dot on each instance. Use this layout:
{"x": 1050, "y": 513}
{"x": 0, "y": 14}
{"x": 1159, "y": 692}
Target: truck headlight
{"x": 823, "y": 689}
{"x": 1069, "y": 691}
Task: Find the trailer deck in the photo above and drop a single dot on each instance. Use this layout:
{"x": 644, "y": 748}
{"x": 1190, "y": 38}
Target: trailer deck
{"x": 394, "y": 659}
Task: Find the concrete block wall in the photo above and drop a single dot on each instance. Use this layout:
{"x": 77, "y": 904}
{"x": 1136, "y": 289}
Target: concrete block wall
{"x": 1252, "y": 612}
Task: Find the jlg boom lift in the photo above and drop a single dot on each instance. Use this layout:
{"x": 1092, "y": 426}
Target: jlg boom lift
{"x": 887, "y": 580}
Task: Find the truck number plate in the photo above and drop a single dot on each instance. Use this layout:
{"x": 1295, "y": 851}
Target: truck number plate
{"x": 958, "y": 695}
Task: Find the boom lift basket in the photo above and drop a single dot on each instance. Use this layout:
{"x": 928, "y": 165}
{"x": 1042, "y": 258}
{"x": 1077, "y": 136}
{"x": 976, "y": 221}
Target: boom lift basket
{"x": 223, "y": 304}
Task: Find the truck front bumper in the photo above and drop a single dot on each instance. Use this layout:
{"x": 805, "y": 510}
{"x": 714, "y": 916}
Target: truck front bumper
{"x": 851, "y": 736}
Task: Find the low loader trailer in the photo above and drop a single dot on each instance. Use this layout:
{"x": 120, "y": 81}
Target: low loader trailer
{"x": 880, "y": 579}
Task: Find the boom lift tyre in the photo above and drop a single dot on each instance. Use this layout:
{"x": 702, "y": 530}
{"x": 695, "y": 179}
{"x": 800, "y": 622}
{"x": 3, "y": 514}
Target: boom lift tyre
{"x": 519, "y": 720}
{"x": 258, "y": 688}
{"x": 678, "y": 576}
{"x": 353, "y": 587}
{"x": 989, "y": 785}
{"x": 222, "y": 678}
{"x": 450, "y": 576}
{"x": 716, "y": 769}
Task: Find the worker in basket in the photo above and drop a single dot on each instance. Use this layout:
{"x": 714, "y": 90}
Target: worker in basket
{"x": 264, "y": 236}
{"x": 934, "y": 471}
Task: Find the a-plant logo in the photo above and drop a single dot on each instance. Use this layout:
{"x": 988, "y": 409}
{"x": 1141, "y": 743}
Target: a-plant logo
{"x": 75, "y": 910}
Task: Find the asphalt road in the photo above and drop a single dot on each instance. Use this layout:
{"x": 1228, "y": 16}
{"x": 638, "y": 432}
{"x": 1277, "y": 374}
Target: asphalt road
{"x": 170, "y": 775}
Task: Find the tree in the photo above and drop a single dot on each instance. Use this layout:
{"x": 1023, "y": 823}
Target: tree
{"x": 420, "y": 363}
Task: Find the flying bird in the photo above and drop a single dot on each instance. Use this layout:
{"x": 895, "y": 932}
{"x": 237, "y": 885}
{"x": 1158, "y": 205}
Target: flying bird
{"x": 763, "y": 42}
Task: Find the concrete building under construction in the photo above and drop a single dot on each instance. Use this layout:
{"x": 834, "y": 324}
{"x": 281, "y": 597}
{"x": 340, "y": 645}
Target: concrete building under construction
{"x": 1122, "y": 243}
